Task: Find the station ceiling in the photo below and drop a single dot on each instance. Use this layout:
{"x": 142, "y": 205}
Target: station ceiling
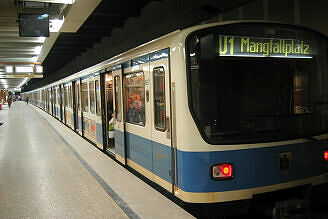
{"x": 107, "y": 16}
{"x": 16, "y": 51}
{"x": 86, "y": 23}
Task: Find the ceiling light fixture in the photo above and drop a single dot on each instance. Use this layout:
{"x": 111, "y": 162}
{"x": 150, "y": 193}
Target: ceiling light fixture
{"x": 55, "y": 24}
{"x": 35, "y": 58}
{"x": 23, "y": 82}
{"x": 41, "y": 39}
{"x": 24, "y": 69}
{"x": 37, "y": 50}
{"x": 54, "y": 1}
{"x": 9, "y": 69}
{"x": 39, "y": 69}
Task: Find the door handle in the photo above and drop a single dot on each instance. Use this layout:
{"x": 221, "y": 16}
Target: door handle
{"x": 167, "y": 128}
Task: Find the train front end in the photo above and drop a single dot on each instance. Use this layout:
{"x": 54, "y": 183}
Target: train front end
{"x": 258, "y": 97}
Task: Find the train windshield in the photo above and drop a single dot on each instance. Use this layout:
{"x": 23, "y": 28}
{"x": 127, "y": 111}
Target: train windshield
{"x": 251, "y": 84}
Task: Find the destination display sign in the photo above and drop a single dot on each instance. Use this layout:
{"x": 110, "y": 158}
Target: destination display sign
{"x": 263, "y": 47}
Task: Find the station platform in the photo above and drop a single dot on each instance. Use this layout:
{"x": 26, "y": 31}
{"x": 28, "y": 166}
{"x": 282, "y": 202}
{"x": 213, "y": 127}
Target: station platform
{"x": 47, "y": 170}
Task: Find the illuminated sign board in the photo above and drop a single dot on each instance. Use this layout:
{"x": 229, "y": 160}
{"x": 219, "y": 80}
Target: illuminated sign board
{"x": 263, "y": 47}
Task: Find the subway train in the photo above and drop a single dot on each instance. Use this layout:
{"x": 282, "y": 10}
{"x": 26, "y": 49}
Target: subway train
{"x": 226, "y": 114}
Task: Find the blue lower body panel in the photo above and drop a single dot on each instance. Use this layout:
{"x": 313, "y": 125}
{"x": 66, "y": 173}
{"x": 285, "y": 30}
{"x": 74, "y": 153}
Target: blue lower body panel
{"x": 253, "y": 167}
{"x": 152, "y": 156}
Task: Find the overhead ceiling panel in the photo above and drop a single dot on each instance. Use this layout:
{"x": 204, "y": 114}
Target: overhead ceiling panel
{"x": 107, "y": 16}
{"x": 15, "y": 50}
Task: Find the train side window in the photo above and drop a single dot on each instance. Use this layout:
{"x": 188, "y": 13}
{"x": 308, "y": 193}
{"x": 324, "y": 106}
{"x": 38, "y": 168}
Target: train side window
{"x": 97, "y": 97}
{"x": 134, "y": 98}
{"x": 62, "y": 95}
{"x": 117, "y": 85}
{"x": 159, "y": 98}
{"x": 92, "y": 97}
{"x": 54, "y": 96}
{"x": 69, "y": 96}
{"x": 58, "y": 96}
{"x": 78, "y": 97}
{"x": 84, "y": 96}
{"x": 65, "y": 96}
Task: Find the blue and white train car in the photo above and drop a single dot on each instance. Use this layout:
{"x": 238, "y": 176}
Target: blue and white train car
{"x": 217, "y": 113}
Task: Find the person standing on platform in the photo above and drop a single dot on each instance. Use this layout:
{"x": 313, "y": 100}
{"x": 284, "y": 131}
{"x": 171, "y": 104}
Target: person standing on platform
{"x": 9, "y": 101}
{"x": 26, "y": 100}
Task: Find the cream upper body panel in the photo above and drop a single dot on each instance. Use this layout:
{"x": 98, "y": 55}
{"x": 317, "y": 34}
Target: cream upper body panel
{"x": 188, "y": 136}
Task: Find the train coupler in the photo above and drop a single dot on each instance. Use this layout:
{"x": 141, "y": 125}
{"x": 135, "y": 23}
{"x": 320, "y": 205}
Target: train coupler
{"x": 292, "y": 209}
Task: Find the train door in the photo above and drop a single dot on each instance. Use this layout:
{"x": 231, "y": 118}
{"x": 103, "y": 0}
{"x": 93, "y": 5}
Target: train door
{"x": 64, "y": 103}
{"x": 94, "y": 89}
{"x": 68, "y": 105}
{"x": 61, "y": 97}
{"x": 47, "y": 100}
{"x": 119, "y": 127}
{"x": 161, "y": 124}
{"x": 109, "y": 112}
{"x": 137, "y": 114}
{"x": 77, "y": 107}
{"x": 92, "y": 123}
{"x": 50, "y": 101}
{"x": 58, "y": 102}
{"x": 55, "y": 102}
{"x": 44, "y": 99}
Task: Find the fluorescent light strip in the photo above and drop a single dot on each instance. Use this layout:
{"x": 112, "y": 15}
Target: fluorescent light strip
{"x": 54, "y": 1}
{"x": 55, "y": 25}
{"x": 21, "y": 84}
{"x": 37, "y": 50}
{"x": 9, "y": 69}
{"x": 39, "y": 69}
{"x": 24, "y": 69}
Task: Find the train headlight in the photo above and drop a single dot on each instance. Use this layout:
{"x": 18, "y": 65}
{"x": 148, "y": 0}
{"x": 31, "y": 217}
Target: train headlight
{"x": 325, "y": 156}
{"x": 222, "y": 171}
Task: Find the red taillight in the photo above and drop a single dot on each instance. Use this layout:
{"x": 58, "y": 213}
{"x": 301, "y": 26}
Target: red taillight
{"x": 222, "y": 171}
{"x": 325, "y": 155}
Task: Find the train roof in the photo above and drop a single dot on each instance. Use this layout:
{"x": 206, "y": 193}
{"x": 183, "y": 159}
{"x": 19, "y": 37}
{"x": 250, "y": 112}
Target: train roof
{"x": 153, "y": 46}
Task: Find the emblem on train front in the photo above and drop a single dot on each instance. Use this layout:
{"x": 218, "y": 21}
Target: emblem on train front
{"x": 285, "y": 163}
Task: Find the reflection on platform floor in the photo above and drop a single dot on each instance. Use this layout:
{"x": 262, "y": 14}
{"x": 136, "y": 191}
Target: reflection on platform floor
{"x": 47, "y": 170}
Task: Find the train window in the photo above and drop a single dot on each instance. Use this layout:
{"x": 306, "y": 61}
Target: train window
{"x": 54, "y": 95}
{"x": 78, "y": 97}
{"x": 134, "y": 98}
{"x": 257, "y": 83}
{"x": 117, "y": 84}
{"x": 84, "y": 97}
{"x": 97, "y": 97}
{"x": 58, "y": 96}
{"x": 70, "y": 97}
{"x": 65, "y": 96}
{"x": 159, "y": 98}
{"x": 92, "y": 97}
{"x": 62, "y": 95}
